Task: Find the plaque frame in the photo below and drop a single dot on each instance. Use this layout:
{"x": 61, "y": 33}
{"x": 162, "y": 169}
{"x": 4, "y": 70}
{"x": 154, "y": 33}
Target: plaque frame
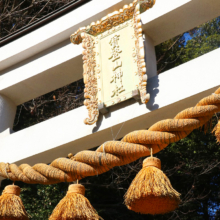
{"x": 91, "y": 72}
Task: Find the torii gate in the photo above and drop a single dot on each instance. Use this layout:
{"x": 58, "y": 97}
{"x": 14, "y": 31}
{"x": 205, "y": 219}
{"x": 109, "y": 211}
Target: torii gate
{"x": 45, "y": 60}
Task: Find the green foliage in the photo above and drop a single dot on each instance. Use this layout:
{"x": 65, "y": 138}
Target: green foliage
{"x": 196, "y": 167}
{"x": 168, "y": 53}
{"x": 205, "y": 39}
{"x": 179, "y": 50}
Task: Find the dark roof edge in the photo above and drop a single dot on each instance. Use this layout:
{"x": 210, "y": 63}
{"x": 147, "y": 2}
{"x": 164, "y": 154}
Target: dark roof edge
{"x": 44, "y": 20}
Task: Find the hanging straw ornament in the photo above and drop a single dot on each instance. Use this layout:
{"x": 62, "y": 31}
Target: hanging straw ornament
{"x": 151, "y": 191}
{"x": 11, "y": 206}
{"x": 74, "y": 206}
{"x": 216, "y": 131}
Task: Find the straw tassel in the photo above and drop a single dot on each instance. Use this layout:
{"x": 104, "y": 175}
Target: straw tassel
{"x": 11, "y": 206}
{"x": 74, "y": 206}
{"x": 151, "y": 191}
{"x": 216, "y": 131}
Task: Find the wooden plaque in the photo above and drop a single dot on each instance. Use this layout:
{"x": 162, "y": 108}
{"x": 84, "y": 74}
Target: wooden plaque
{"x": 113, "y": 59}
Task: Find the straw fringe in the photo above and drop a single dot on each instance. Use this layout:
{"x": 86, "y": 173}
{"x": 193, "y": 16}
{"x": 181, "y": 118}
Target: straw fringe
{"x": 74, "y": 207}
{"x": 12, "y": 208}
{"x": 216, "y": 131}
{"x": 151, "y": 193}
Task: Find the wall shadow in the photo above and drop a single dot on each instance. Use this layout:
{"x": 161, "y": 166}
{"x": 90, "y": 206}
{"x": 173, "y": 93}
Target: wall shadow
{"x": 153, "y": 90}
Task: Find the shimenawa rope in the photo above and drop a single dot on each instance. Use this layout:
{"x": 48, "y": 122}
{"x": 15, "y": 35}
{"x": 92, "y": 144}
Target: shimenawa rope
{"x": 117, "y": 153}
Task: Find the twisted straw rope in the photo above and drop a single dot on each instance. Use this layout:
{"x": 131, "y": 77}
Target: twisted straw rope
{"x": 117, "y": 153}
